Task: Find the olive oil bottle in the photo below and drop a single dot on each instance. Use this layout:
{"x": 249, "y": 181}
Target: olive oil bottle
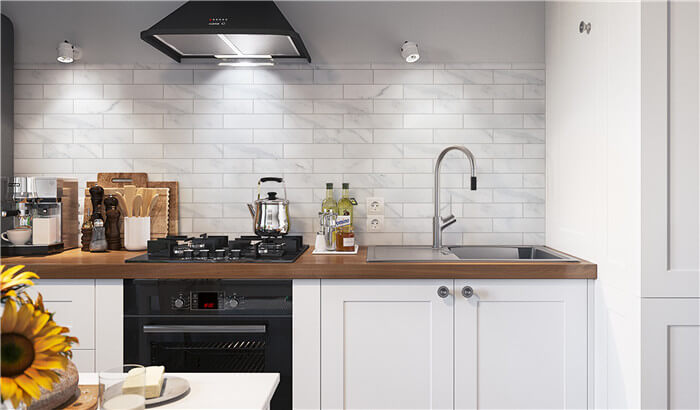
{"x": 345, "y": 206}
{"x": 329, "y": 204}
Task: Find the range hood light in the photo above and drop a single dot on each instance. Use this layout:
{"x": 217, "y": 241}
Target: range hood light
{"x": 246, "y": 64}
{"x": 229, "y": 56}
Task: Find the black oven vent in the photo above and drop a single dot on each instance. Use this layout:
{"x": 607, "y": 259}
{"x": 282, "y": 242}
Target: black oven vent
{"x": 244, "y": 356}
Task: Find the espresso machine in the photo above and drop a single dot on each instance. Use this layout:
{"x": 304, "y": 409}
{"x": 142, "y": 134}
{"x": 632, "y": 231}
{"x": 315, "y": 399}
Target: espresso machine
{"x": 45, "y": 211}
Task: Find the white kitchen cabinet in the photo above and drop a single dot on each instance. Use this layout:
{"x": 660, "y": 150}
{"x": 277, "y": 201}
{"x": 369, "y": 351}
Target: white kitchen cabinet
{"x": 73, "y": 303}
{"x": 397, "y": 344}
{"x": 84, "y": 360}
{"x": 386, "y": 344}
{"x": 521, "y": 344}
{"x": 109, "y": 323}
{"x": 671, "y": 352}
{"x": 93, "y": 311}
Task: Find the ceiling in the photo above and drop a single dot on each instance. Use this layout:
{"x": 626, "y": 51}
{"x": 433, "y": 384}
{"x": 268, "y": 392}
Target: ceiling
{"x": 335, "y": 32}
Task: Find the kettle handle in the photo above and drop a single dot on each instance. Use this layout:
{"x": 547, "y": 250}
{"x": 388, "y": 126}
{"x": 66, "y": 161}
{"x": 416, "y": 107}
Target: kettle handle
{"x": 272, "y": 179}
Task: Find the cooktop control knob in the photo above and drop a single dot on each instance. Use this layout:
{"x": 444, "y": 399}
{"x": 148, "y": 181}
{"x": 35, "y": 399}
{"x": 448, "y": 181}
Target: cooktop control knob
{"x": 231, "y": 302}
{"x": 179, "y": 302}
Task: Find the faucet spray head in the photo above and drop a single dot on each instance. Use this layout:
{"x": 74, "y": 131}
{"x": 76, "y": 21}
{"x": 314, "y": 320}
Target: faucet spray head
{"x": 473, "y": 183}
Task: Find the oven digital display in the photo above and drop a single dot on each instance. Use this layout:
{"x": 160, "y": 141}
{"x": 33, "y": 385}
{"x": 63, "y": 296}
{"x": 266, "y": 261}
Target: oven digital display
{"x": 207, "y": 300}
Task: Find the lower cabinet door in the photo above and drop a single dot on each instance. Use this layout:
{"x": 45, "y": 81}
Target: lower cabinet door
{"x": 84, "y": 360}
{"x": 386, "y": 344}
{"x": 521, "y": 344}
{"x": 670, "y": 353}
{"x": 73, "y": 303}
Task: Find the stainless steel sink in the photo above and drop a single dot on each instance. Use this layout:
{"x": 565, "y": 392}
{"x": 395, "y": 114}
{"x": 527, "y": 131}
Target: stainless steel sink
{"x": 466, "y": 253}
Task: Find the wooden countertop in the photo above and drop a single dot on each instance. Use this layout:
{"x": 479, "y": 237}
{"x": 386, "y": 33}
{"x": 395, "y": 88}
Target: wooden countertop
{"x": 75, "y": 264}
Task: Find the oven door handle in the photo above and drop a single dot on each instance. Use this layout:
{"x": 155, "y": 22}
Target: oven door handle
{"x": 204, "y": 329}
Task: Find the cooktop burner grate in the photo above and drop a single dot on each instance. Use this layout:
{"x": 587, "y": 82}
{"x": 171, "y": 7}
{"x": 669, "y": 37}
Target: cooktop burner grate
{"x": 219, "y": 249}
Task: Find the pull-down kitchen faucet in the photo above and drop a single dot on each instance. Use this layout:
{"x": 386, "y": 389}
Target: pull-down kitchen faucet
{"x": 448, "y": 220}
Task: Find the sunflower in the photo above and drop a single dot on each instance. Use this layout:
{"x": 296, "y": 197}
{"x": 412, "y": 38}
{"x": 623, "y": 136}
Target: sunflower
{"x": 33, "y": 347}
{"x": 12, "y": 282}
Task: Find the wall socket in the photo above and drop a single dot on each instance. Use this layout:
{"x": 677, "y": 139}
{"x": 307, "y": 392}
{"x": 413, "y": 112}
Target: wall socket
{"x": 375, "y": 223}
{"x": 375, "y": 205}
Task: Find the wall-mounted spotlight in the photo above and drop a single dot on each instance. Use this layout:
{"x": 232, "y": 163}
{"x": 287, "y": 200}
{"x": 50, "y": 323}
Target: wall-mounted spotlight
{"x": 67, "y": 52}
{"x": 409, "y": 51}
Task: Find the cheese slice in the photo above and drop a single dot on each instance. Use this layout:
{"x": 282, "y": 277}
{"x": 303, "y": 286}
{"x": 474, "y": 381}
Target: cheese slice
{"x": 154, "y": 376}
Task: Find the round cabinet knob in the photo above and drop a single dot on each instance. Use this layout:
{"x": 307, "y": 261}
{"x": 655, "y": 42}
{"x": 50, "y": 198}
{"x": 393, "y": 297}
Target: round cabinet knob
{"x": 179, "y": 303}
{"x": 443, "y": 291}
{"x": 232, "y": 302}
{"x": 467, "y": 292}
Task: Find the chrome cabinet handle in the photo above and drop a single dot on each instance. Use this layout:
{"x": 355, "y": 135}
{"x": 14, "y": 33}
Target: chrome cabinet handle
{"x": 467, "y": 292}
{"x": 443, "y": 291}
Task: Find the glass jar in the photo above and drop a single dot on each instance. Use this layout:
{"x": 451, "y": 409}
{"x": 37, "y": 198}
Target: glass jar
{"x": 345, "y": 240}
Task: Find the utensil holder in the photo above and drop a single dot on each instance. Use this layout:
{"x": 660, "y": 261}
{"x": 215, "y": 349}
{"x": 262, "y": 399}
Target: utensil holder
{"x": 137, "y": 232}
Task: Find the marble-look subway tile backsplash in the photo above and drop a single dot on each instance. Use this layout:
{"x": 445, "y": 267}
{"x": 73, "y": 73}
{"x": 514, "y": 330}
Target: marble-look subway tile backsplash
{"x": 377, "y": 126}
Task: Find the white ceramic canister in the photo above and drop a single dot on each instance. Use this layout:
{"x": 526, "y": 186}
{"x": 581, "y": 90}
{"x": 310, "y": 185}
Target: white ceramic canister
{"x": 137, "y": 232}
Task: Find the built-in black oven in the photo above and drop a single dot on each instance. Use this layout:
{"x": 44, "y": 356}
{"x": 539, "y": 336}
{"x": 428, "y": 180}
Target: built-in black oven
{"x": 211, "y": 326}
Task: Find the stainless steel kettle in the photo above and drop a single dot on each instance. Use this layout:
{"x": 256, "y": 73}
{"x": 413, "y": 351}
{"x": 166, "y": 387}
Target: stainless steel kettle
{"x": 271, "y": 214}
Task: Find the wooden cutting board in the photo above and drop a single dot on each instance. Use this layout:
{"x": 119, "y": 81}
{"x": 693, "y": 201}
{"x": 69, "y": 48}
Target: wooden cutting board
{"x": 160, "y": 219}
{"x": 140, "y": 180}
{"x": 119, "y": 179}
{"x": 173, "y": 201}
{"x": 89, "y": 394}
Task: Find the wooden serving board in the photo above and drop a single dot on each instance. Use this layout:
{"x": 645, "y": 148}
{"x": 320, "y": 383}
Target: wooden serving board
{"x": 140, "y": 180}
{"x": 89, "y": 395}
{"x": 159, "y": 216}
{"x": 119, "y": 179}
{"x": 173, "y": 201}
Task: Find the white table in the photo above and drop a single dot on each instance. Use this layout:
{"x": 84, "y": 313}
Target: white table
{"x": 219, "y": 390}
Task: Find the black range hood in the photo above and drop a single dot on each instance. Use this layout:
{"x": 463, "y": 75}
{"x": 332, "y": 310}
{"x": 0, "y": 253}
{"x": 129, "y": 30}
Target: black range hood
{"x": 229, "y": 33}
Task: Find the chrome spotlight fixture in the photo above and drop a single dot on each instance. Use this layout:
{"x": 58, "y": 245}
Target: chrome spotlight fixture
{"x": 67, "y": 52}
{"x": 409, "y": 51}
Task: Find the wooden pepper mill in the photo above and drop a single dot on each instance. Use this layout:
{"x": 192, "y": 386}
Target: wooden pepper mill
{"x": 97, "y": 194}
{"x": 112, "y": 224}
{"x": 86, "y": 231}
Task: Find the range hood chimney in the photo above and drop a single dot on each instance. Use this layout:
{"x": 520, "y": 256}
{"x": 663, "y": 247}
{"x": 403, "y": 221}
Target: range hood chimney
{"x": 235, "y": 33}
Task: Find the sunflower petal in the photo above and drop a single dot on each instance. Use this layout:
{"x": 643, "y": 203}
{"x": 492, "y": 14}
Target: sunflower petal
{"x": 17, "y": 398}
{"x": 8, "y": 387}
{"x": 28, "y": 385}
{"x": 40, "y": 378}
{"x": 11, "y": 271}
{"x": 24, "y": 317}
{"x": 9, "y": 317}
{"x": 55, "y": 378}
{"x": 26, "y": 275}
{"x": 39, "y": 322}
{"x": 45, "y": 362}
{"x": 49, "y": 329}
{"x": 41, "y": 345}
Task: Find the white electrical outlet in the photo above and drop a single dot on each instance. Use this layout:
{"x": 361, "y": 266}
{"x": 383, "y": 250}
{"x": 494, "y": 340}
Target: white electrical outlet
{"x": 375, "y": 205}
{"x": 375, "y": 223}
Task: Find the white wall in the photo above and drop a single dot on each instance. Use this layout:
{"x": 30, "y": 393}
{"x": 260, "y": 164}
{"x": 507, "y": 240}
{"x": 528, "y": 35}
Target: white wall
{"x": 333, "y": 31}
{"x": 593, "y": 174}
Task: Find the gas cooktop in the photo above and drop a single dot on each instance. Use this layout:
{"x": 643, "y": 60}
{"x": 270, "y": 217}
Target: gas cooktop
{"x": 219, "y": 249}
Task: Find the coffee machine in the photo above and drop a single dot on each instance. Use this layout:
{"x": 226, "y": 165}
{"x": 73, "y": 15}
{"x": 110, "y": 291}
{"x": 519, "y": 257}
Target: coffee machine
{"x": 46, "y": 206}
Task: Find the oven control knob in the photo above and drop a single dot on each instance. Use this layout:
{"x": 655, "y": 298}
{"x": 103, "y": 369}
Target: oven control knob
{"x": 179, "y": 302}
{"x": 232, "y": 302}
